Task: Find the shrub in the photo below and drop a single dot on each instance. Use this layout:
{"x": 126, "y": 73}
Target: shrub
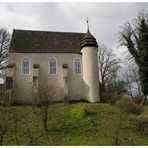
{"x": 90, "y": 110}
{"x": 104, "y": 97}
{"x": 107, "y": 97}
{"x": 128, "y": 106}
{"x": 114, "y": 99}
{"x": 141, "y": 123}
{"x": 2, "y": 94}
{"x": 42, "y": 96}
{"x": 137, "y": 99}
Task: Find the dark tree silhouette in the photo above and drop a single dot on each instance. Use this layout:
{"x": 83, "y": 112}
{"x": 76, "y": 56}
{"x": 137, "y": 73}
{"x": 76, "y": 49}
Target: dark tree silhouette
{"x": 135, "y": 38}
{"x": 4, "y": 47}
{"x": 108, "y": 65}
{"x": 43, "y": 94}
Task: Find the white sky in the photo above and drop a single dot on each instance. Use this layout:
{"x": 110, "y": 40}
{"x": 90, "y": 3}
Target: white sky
{"x": 104, "y": 18}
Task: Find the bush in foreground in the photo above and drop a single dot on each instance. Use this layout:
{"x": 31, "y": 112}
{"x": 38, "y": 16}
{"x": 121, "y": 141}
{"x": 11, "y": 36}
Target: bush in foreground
{"x": 141, "y": 123}
{"x": 128, "y": 106}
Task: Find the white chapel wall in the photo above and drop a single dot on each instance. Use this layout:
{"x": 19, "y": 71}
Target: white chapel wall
{"x": 23, "y": 83}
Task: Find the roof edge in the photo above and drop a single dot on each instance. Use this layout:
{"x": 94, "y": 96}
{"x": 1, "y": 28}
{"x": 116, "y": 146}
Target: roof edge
{"x": 47, "y": 31}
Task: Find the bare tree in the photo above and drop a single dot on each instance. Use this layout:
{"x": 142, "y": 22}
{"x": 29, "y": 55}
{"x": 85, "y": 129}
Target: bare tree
{"x": 111, "y": 86}
{"x": 4, "y": 40}
{"x": 129, "y": 84}
{"x": 4, "y": 47}
{"x": 116, "y": 131}
{"x": 131, "y": 78}
{"x": 43, "y": 96}
{"x": 108, "y": 65}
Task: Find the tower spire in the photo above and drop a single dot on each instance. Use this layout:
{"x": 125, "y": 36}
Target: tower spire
{"x": 87, "y": 21}
{"x": 88, "y": 39}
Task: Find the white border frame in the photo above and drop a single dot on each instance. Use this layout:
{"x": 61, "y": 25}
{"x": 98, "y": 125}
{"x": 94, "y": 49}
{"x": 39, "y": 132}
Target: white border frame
{"x": 74, "y": 66}
{"x": 22, "y": 66}
{"x": 49, "y": 66}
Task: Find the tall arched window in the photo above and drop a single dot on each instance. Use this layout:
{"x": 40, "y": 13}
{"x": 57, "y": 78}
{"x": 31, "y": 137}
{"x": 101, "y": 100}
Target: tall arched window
{"x": 77, "y": 66}
{"x": 25, "y": 66}
{"x": 52, "y": 66}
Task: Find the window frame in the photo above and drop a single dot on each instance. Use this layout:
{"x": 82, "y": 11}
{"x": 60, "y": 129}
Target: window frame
{"x": 49, "y": 73}
{"x": 22, "y": 65}
{"x": 80, "y": 66}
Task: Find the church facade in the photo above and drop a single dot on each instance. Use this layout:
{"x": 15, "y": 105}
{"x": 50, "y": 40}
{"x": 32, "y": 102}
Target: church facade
{"x": 69, "y": 61}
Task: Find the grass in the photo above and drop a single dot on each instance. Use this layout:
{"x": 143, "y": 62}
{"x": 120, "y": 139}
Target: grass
{"x": 74, "y": 124}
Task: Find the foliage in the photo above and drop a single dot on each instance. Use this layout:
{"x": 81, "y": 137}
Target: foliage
{"x": 114, "y": 92}
{"x": 90, "y": 110}
{"x": 115, "y": 126}
{"x": 68, "y": 125}
{"x": 141, "y": 123}
{"x": 104, "y": 98}
{"x": 2, "y": 94}
{"x": 127, "y": 105}
{"x": 136, "y": 40}
{"x": 15, "y": 121}
{"x": 5, "y": 122}
{"x": 108, "y": 97}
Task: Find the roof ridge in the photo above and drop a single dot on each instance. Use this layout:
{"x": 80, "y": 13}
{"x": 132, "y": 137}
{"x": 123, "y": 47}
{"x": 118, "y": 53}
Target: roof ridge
{"x": 48, "y": 31}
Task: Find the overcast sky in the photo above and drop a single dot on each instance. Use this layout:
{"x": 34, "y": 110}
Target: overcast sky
{"x": 104, "y": 18}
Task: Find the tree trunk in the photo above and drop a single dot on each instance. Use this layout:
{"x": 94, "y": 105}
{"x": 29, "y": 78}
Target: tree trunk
{"x": 17, "y": 139}
{"x": 30, "y": 137}
{"x": 143, "y": 100}
{"x": 45, "y": 124}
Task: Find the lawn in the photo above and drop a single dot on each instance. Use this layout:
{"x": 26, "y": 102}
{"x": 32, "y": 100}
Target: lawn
{"x": 75, "y": 124}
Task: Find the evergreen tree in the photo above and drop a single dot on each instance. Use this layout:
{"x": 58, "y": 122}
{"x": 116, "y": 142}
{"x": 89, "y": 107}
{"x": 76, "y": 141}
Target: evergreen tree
{"x": 135, "y": 38}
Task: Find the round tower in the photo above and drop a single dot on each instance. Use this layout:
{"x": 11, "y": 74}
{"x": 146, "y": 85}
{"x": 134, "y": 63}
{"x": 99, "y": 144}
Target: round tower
{"x": 89, "y": 49}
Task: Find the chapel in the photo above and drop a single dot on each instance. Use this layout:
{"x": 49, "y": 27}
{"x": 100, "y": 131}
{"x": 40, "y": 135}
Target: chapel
{"x": 66, "y": 60}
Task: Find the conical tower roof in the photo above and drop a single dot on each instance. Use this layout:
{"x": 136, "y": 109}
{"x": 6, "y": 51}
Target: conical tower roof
{"x": 89, "y": 40}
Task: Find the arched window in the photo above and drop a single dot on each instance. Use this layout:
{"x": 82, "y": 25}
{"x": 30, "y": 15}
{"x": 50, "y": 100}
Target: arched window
{"x": 52, "y": 66}
{"x": 77, "y": 66}
{"x": 25, "y": 66}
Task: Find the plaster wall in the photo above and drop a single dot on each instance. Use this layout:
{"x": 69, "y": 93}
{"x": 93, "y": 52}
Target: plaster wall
{"x": 23, "y": 83}
{"x": 90, "y": 73}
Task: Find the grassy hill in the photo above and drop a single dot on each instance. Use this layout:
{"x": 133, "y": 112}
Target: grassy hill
{"x": 75, "y": 124}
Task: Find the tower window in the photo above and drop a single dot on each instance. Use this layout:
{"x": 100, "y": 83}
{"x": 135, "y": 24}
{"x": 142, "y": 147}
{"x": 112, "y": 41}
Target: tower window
{"x": 77, "y": 66}
{"x": 25, "y": 66}
{"x": 52, "y": 66}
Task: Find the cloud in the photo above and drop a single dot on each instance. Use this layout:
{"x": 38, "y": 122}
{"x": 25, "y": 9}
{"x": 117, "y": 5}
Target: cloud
{"x": 104, "y": 18}
{"x": 11, "y": 16}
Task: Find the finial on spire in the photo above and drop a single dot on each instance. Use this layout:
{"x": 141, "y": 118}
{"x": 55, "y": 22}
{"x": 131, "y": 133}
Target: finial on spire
{"x": 87, "y": 21}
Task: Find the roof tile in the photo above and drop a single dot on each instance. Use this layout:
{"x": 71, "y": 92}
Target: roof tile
{"x": 27, "y": 41}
